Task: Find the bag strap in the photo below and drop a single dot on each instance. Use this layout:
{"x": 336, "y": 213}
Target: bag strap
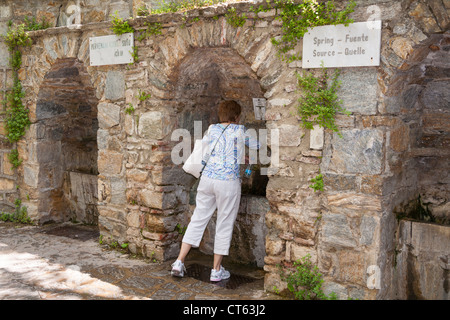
{"x": 206, "y": 162}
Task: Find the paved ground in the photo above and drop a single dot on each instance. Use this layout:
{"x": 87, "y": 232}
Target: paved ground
{"x": 48, "y": 262}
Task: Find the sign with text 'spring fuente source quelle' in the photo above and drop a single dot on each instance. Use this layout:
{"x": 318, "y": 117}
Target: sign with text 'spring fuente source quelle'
{"x": 357, "y": 45}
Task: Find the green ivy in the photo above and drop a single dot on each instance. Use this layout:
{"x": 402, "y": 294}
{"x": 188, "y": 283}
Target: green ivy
{"x": 153, "y": 28}
{"x": 143, "y": 10}
{"x": 144, "y": 95}
{"x": 13, "y": 157}
{"x": 119, "y": 25}
{"x": 130, "y": 109}
{"x": 317, "y": 183}
{"x": 20, "y": 214}
{"x": 261, "y": 8}
{"x": 134, "y": 54}
{"x": 16, "y": 36}
{"x": 297, "y": 17}
{"x": 319, "y": 102}
{"x": 31, "y": 24}
{"x": 233, "y": 19}
{"x": 16, "y": 117}
{"x": 305, "y": 281}
{"x": 181, "y": 230}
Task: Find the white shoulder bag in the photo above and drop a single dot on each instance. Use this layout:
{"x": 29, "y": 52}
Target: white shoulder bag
{"x": 199, "y": 157}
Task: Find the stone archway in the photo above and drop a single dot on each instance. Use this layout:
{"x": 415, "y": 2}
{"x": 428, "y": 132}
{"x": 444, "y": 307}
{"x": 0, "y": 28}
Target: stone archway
{"x": 159, "y": 189}
{"x": 66, "y": 145}
{"x": 202, "y": 79}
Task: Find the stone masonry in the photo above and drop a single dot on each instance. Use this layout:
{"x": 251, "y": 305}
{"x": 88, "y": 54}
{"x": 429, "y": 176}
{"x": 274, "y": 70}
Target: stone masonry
{"x": 390, "y": 163}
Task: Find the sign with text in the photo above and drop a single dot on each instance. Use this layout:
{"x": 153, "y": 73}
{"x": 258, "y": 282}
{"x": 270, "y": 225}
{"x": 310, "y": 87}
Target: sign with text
{"x": 107, "y": 50}
{"x": 357, "y": 45}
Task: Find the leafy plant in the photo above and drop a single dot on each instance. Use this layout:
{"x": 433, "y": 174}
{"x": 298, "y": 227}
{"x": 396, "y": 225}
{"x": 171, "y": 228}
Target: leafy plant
{"x": 297, "y": 17}
{"x": 130, "y": 109}
{"x": 261, "y": 8}
{"x": 17, "y": 37}
{"x": 181, "y": 230}
{"x": 119, "y": 25}
{"x": 16, "y": 118}
{"x": 20, "y": 214}
{"x": 233, "y": 19}
{"x": 134, "y": 54}
{"x": 317, "y": 183}
{"x": 305, "y": 281}
{"x": 143, "y": 95}
{"x": 152, "y": 257}
{"x": 31, "y": 24}
{"x": 13, "y": 157}
{"x": 143, "y": 10}
{"x": 319, "y": 103}
{"x": 153, "y": 28}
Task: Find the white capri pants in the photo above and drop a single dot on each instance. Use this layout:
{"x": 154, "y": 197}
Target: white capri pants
{"x": 211, "y": 194}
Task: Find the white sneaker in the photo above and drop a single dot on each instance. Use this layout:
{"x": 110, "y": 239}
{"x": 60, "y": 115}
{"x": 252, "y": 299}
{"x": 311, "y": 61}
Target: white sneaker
{"x": 222, "y": 274}
{"x": 178, "y": 269}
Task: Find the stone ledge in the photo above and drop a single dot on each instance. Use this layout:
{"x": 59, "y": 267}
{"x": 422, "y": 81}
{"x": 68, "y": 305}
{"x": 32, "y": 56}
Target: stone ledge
{"x": 138, "y": 23}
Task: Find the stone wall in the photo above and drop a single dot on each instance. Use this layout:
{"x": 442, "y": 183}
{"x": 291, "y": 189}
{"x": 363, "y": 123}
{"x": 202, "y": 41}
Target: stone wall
{"x": 422, "y": 268}
{"x": 417, "y": 181}
{"x": 248, "y": 245}
{"x": 8, "y": 190}
{"x": 409, "y": 140}
{"x": 393, "y": 150}
{"x": 393, "y": 146}
{"x": 65, "y": 12}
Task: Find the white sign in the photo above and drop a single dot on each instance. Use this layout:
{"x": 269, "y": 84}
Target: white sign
{"x": 113, "y": 49}
{"x": 357, "y": 45}
{"x": 259, "y": 106}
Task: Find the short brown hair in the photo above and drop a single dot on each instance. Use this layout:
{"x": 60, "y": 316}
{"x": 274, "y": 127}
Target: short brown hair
{"x": 229, "y": 111}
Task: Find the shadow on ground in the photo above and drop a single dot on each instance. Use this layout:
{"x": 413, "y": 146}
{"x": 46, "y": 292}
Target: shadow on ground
{"x": 65, "y": 261}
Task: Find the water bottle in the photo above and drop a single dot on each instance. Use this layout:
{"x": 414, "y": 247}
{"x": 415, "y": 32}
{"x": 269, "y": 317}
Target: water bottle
{"x": 248, "y": 171}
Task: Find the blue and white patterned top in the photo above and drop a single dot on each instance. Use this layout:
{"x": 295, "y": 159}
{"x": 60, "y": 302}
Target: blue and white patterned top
{"x": 223, "y": 164}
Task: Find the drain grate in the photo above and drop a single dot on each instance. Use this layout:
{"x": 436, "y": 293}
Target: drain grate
{"x": 202, "y": 273}
{"x": 82, "y": 233}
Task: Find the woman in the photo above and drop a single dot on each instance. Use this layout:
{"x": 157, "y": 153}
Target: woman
{"x": 219, "y": 187}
